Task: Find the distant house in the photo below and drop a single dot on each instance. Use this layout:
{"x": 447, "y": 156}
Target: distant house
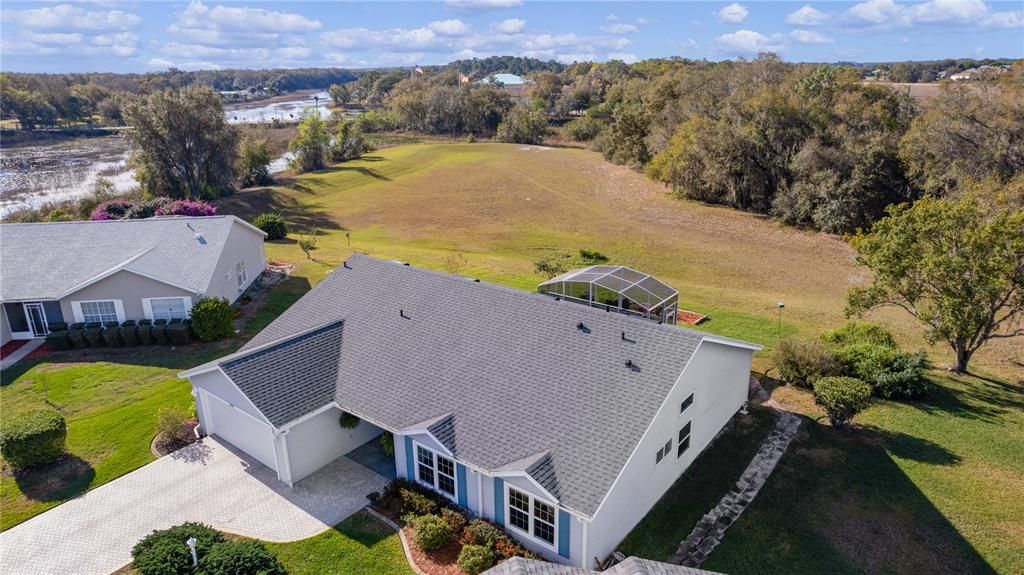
{"x": 562, "y": 422}
{"x": 121, "y": 269}
{"x": 517, "y": 85}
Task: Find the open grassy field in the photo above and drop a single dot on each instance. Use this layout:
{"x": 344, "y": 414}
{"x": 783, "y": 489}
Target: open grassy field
{"x": 110, "y": 399}
{"x": 937, "y": 478}
{"x": 503, "y": 206}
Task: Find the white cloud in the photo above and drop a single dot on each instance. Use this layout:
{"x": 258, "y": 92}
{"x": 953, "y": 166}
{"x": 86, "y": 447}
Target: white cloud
{"x": 159, "y": 63}
{"x": 619, "y": 28}
{"x": 611, "y": 18}
{"x": 67, "y": 17}
{"x": 199, "y": 15}
{"x": 510, "y": 26}
{"x": 398, "y": 40}
{"x": 573, "y": 57}
{"x": 481, "y": 5}
{"x": 810, "y": 37}
{"x": 451, "y": 27}
{"x": 52, "y": 38}
{"x": 749, "y": 43}
{"x": 806, "y": 16}
{"x": 734, "y": 13}
{"x": 642, "y": 20}
{"x": 888, "y": 14}
{"x": 624, "y": 56}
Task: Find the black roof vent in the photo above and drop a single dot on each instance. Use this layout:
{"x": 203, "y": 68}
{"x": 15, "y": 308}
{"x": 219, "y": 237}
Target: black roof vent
{"x": 632, "y": 366}
{"x": 626, "y": 339}
{"x": 345, "y": 265}
{"x": 476, "y": 280}
{"x": 401, "y": 312}
{"x": 582, "y": 327}
{"x": 406, "y": 264}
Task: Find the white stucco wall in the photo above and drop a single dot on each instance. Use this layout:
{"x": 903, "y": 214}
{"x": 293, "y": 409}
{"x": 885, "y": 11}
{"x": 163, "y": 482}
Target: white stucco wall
{"x": 718, "y": 376}
{"x": 243, "y": 244}
{"x": 320, "y": 440}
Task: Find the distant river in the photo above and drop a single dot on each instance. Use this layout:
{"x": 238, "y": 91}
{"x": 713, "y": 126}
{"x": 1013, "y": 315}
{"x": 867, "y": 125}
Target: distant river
{"x": 32, "y": 175}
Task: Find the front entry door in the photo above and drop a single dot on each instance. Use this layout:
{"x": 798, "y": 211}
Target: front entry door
{"x": 36, "y": 319}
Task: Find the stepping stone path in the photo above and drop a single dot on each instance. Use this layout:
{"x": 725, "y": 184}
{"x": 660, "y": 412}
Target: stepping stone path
{"x": 708, "y": 533}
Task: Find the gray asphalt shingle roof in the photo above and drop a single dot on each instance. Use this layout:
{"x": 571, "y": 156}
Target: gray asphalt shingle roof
{"x": 630, "y": 566}
{"x": 45, "y": 260}
{"x": 502, "y": 375}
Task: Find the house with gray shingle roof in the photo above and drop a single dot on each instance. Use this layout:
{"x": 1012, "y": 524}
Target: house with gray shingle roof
{"x": 118, "y": 270}
{"x": 562, "y": 422}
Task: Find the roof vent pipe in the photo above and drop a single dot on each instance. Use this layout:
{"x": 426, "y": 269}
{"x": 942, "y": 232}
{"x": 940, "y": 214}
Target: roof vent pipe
{"x": 401, "y": 312}
{"x": 626, "y": 339}
{"x": 345, "y": 265}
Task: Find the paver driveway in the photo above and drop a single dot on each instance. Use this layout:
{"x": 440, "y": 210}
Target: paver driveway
{"x": 207, "y": 482}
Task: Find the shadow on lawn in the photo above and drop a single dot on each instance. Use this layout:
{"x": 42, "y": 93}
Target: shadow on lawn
{"x": 977, "y": 397}
{"x": 64, "y": 479}
{"x": 838, "y": 503}
{"x": 250, "y": 203}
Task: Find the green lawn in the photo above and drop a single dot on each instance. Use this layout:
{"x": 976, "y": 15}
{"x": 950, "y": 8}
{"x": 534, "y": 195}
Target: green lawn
{"x": 110, "y": 398}
{"x": 360, "y": 544}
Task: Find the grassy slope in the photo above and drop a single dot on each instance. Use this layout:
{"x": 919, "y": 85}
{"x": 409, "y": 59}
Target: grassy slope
{"x": 503, "y": 206}
{"x": 110, "y": 399}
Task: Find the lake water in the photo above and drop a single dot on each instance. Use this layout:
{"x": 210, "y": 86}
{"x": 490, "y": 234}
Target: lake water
{"x": 35, "y": 174}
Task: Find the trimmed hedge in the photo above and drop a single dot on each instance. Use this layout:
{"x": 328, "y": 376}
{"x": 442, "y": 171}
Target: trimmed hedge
{"x": 76, "y": 333}
{"x": 164, "y": 552}
{"x": 129, "y": 333}
{"x": 94, "y": 335}
{"x": 144, "y": 331}
{"x": 242, "y": 558}
{"x": 58, "y": 326}
{"x": 177, "y": 332}
{"x": 32, "y": 438}
{"x": 111, "y": 335}
{"x": 273, "y": 224}
{"x": 841, "y": 398}
{"x": 475, "y": 559}
{"x": 213, "y": 318}
{"x": 58, "y": 340}
{"x": 159, "y": 331}
{"x": 431, "y": 532}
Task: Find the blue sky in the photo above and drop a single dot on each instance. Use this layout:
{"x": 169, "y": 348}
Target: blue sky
{"x": 144, "y": 36}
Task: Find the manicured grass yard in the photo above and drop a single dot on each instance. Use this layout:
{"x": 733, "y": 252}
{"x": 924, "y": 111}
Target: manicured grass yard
{"x": 110, "y": 398}
{"x": 360, "y": 544}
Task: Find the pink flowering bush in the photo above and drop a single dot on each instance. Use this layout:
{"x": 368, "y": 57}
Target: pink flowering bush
{"x": 186, "y": 208}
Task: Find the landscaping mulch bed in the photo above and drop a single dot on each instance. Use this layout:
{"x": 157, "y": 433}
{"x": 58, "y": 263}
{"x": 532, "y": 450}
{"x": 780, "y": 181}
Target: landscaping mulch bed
{"x": 440, "y": 562}
{"x": 162, "y": 445}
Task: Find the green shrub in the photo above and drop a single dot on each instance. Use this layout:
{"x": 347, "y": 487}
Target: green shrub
{"x": 904, "y": 377}
{"x": 241, "y": 558}
{"x": 158, "y": 331}
{"x": 273, "y": 224}
{"x": 164, "y": 552}
{"x": 455, "y": 518}
{"x": 387, "y": 443}
{"x": 145, "y": 332}
{"x": 177, "y": 333}
{"x": 475, "y": 559}
{"x": 418, "y": 503}
{"x": 77, "y": 336}
{"x": 78, "y": 325}
{"x": 94, "y": 335}
{"x": 430, "y": 532}
{"x": 348, "y": 421}
{"x": 110, "y": 334}
{"x": 213, "y": 318}
{"x": 129, "y": 333}
{"x": 57, "y": 326}
{"x": 841, "y": 398}
{"x": 583, "y": 129}
{"x": 801, "y": 363}
{"x": 58, "y": 340}
{"x": 853, "y": 332}
{"x": 32, "y": 438}
{"x": 480, "y": 532}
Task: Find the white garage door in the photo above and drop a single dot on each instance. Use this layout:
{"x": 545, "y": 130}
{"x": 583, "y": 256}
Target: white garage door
{"x": 241, "y": 430}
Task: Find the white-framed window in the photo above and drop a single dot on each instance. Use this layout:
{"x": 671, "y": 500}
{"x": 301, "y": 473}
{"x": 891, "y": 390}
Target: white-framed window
{"x": 686, "y": 403}
{"x": 97, "y": 310}
{"x": 531, "y": 516}
{"x": 436, "y": 471}
{"x": 684, "y": 439}
{"x": 166, "y": 307}
{"x": 240, "y": 274}
{"x": 663, "y": 452}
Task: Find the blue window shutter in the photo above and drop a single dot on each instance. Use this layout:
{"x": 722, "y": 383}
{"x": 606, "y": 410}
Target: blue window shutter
{"x": 499, "y": 501}
{"x": 563, "y": 533}
{"x": 410, "y": 470}
{"x": 460, "y": 475}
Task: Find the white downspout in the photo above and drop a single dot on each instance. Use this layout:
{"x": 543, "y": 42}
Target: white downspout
{"x": 480, "y": 492}
{"x": 583, "y": 551}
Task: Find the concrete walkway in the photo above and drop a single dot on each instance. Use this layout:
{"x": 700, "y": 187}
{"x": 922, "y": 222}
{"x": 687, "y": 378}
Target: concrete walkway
{"x": 31, "y": 345}
{"x": 208, "y": 482}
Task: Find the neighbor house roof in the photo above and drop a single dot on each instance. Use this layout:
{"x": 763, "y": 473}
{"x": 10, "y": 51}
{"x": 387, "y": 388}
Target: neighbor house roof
{"x": 45, "y": 261}
{"x": 630, "y": 566}
{"x": 505, "y": 379}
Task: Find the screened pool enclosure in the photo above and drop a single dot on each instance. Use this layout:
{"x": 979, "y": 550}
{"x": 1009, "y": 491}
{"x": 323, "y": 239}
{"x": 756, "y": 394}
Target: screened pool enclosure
{"x": 616, "y": 288}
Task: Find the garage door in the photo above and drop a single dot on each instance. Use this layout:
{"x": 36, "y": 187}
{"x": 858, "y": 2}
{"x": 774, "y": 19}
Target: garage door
{"x": 241, "y": 430}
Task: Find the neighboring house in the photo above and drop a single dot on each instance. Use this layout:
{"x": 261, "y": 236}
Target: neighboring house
{"x": 515, "y": 85}
{"x": 121, "y": 269}
{"x": 562, "y": 422}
